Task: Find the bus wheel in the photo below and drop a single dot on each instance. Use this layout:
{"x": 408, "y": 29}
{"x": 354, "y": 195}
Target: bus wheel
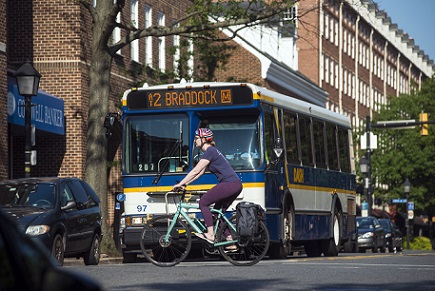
{"x": 281, "y": 249}
{"x": 331, "y": 246}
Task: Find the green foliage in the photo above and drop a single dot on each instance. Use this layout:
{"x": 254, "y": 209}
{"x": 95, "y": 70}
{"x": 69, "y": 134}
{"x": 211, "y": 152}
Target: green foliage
{"x": 403, "y": 153}
{"x": 420, "y": 243}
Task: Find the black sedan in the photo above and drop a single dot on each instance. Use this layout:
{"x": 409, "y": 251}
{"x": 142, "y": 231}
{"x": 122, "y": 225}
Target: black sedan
{"x": 393, "y": 236}
{"x": 371, "y": 235}
{"x": 63, "y": 214}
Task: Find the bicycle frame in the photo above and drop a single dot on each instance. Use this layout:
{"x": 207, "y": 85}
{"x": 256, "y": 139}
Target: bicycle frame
{"x": 180, "y": 211}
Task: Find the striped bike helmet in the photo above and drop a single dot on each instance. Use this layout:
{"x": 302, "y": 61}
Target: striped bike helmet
{"x": 205, "y": 133}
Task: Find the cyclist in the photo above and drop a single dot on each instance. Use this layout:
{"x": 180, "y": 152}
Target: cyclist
{"x": 223, "y": 193}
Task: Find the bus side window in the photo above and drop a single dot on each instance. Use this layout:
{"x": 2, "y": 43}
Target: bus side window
{"x": 305, "y": 141}
{"x": 343, "y": 144}
{"x": 291, "y": 138}
{"x": 319, "y": 144}
{"x": 331, "y": 143}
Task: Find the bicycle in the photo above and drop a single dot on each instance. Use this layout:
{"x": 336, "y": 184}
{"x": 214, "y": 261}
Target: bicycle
{"x": 166, "y": 240}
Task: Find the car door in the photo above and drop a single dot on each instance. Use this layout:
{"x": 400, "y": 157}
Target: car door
{"x": 72, "y": 217}
{"x": 87, "y": 216}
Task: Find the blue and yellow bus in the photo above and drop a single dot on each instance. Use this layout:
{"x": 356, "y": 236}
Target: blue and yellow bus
{"x": 294, "y": 158}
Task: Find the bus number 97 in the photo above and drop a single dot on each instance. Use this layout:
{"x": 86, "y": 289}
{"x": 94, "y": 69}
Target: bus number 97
{"x": 141, "y": 208}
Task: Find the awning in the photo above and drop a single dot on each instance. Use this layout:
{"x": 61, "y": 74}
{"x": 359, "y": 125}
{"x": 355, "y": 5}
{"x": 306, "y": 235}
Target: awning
{"x": 48, "y": 112}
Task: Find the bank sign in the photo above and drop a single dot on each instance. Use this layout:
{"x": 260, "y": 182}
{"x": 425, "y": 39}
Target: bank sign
{"x": 47, "y": 110}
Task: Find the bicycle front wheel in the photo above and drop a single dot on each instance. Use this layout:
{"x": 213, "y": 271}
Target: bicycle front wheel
{"x": 162, "y": 252}
{"x": 246, "y": 252}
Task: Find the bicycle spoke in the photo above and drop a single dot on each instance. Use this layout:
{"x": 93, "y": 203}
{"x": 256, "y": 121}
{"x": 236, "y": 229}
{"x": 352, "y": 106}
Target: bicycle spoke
{"x": 165, "y": 253}
{"x": 249, "y": 252}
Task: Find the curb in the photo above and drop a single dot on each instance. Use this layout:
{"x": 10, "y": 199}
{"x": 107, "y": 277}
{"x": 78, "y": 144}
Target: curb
{"x": 104, "y": 260}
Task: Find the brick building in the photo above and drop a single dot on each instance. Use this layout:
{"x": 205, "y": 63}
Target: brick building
{"x": 351, "y": 57}
{"x": 354, "y": 51}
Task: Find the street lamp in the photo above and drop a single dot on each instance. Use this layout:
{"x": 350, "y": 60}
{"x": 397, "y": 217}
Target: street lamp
{"x": 28, "y": 83}
{"x": 364, "y": 165}
{"x": 406, "y": 189}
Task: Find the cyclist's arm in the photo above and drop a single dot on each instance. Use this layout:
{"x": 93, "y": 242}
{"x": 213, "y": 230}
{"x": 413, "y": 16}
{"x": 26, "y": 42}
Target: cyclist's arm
{"x": 194, "y": 174}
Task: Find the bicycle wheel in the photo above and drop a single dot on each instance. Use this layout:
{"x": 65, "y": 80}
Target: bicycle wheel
{"x": 165, "y": 253}
{"x": 248, "y": 251}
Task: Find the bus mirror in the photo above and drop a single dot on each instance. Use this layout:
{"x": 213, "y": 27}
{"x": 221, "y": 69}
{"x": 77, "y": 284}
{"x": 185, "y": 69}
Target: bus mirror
{"x": 278, "y": 147}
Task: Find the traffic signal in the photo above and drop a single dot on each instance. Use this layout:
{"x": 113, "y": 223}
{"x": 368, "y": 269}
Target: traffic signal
{"x": 424, "y": 126}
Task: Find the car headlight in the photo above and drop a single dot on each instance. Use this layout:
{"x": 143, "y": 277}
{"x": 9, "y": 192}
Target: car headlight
{"x": 387, "y": 235}
{"x": 35, "y": 230}
{"x": 367, "y": 235}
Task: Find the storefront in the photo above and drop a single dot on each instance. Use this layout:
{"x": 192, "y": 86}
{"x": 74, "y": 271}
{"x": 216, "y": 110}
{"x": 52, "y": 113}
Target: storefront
{"x": 47, "y": 120}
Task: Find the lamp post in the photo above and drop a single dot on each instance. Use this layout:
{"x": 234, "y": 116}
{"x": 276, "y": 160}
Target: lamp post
{"x": 364, "y": 165}
{"x": 406, "y": 189}
{"x": 28, "y": 83}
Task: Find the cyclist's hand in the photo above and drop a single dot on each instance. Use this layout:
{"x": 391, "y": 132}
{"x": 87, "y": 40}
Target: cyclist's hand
{"x": 179, "y": 187}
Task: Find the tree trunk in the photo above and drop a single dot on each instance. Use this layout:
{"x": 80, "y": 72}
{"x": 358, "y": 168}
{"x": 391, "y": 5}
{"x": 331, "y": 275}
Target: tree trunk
{"x": 96, "y": 158}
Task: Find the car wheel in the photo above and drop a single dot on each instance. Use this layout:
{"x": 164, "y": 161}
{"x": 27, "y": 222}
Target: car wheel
{"x": 92, "y": 256}
{"x": 58, "y": 249}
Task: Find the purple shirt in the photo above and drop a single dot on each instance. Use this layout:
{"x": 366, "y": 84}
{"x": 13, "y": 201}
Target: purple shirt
{"x": 219, "y": 165}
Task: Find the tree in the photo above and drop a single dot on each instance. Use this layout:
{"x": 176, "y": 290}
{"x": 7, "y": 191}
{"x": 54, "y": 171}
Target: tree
{"x": 202, "y": 18}
{"x": 404, "y": 153}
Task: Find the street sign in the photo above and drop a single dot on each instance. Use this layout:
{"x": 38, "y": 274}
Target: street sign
{"x": 410, "y": 214}
{"x": 399, "y": 200}
{"x": 396, "y": 124}
{"x": 410, "y": 205}
{"x": 373, "y": 141}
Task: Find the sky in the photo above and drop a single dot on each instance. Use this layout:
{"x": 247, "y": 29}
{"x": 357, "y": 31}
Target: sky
{"x": 416, "y": 18}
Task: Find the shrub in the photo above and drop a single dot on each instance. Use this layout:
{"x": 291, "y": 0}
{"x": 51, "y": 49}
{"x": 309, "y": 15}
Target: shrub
{"x": 420, "y": 243}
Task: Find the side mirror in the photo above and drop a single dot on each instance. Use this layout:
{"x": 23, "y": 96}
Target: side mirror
{"x": 69, "y": 205}
{"x": 278, "y": 149}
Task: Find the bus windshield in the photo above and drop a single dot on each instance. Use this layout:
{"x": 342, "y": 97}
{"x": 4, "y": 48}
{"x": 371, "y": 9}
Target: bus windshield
{"x": 238, "y": 138}
{"x": 156, "y": 143}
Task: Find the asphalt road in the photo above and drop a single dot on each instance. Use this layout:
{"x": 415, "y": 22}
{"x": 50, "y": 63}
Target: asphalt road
{"x": 403, "y": 271}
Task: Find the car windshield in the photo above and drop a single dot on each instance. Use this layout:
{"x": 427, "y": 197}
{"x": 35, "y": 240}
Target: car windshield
{"x": 39, "y": 195}
{"x": 364, "y": 223}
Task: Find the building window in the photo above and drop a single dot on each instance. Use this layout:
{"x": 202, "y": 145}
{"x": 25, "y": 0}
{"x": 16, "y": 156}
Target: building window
{"x": 148, "y": 39}
{"x": 135, "y": 22}
{"x": 177, "y": 52}
{"x": 326, "y": 69}
{"x": 117, "y": 32}
{"x": 161, "y": 40}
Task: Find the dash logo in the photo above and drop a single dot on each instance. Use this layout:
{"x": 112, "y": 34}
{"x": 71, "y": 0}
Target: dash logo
{"x": 298, "y": 175}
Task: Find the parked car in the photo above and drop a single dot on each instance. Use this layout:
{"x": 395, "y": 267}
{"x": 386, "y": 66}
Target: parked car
{"x": 393, "y": 236}
{"x": 34, "y": 270}
{"x": 63, "y": 214}
{"x": 371, "y": 235}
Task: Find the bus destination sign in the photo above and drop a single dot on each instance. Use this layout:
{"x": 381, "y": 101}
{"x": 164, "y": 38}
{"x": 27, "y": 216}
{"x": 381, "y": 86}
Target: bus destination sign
{"x": 195, "y": 97}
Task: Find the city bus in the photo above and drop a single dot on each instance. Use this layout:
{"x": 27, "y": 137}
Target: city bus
{"x": 295, "y": 159}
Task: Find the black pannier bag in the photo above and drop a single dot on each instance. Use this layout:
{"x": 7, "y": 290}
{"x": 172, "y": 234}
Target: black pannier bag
{"x": 248, "y": 215}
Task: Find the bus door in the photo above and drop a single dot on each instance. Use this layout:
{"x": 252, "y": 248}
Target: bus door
{"x": 275, "y": 181}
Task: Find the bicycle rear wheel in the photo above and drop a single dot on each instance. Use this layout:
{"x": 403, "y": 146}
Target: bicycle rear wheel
{"x": 248, "y": 252}
{"x": 165, "y": 253}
